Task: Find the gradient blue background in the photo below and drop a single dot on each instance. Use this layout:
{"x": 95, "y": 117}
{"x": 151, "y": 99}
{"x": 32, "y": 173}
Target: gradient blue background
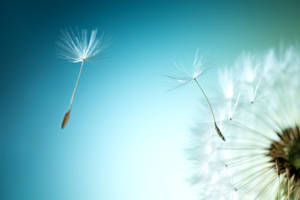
{"x": 126, "y": 136}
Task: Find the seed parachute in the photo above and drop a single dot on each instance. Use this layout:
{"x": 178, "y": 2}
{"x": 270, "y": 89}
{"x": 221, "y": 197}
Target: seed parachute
{"x": 79, "y": 47}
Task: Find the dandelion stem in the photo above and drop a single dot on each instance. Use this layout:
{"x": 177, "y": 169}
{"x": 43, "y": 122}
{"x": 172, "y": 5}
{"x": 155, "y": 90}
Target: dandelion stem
{"x": 67, "y": 115}
{"x": 211, "y": 110}
{"x": 76, "y": 85}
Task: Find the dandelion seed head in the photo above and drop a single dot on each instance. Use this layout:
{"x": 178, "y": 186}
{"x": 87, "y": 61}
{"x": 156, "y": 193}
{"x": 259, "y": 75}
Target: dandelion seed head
{"x": 80, "y": 45}
{"x": 261, "y": 156}
{"x": 188, "y": 74}
{"x": 196, "y": 74}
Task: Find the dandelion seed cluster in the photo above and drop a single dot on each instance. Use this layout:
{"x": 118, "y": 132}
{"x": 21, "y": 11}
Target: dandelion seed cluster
{"x": 259, "y": 114}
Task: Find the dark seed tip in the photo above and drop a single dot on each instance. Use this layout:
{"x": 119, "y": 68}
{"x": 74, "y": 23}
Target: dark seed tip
{"x": 219, "y": 132}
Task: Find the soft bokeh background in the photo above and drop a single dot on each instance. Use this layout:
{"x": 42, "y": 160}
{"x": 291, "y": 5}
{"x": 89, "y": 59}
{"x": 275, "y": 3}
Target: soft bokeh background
{"x": 126, "y": 136}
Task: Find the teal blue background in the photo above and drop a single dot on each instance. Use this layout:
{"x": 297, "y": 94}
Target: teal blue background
{"x": 126, "y": 135}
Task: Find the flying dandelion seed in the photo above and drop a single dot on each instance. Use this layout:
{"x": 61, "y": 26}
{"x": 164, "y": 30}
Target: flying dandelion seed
{"x": 261, "y": 157}
{"x": 197, "y": 72}
{"x": 79, "y": 47}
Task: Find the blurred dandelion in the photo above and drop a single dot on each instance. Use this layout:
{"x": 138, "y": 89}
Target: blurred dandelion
{"x": 250, "y": 78}
{"x": 231, "y": 100}
{"x": 79, "y": 47}
{"x": 192, "y": 77}
{"x": 261, "y": 156}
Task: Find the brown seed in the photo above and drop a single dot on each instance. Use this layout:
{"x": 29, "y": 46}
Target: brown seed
{"x": 66, "y": 118}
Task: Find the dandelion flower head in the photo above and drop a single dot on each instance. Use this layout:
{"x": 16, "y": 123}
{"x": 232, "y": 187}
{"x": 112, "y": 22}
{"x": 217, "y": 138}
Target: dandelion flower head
{"x": 261, "y": 156}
